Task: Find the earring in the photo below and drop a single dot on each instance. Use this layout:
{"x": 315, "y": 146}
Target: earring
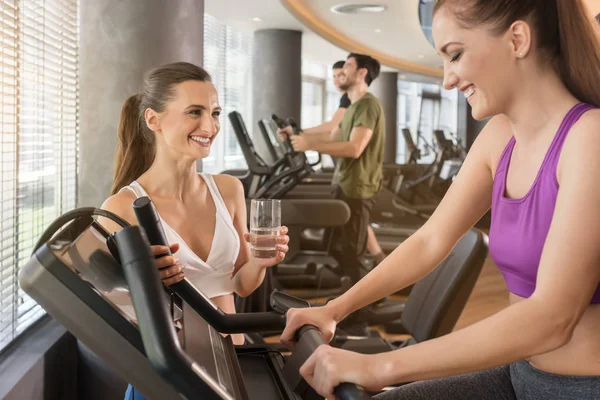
{"x": 520, "y": 55}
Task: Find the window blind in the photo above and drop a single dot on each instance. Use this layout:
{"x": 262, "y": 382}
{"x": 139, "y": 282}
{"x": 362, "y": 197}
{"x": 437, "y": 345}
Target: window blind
{"x": 40, "y": 98}
{"x": 9, "y": 70}
{"x": 332, "y": 98}
{"x": 313, "y": 101}
{"x": 228, "y": 59}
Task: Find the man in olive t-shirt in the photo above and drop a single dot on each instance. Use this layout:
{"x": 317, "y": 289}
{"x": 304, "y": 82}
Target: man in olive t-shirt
{"x": 360, "y": 178}
{"x": 358, "y": 143}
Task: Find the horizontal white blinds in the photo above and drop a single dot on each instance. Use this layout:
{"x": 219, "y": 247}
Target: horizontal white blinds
{"x": 228, "y": 59}
{"x": 39, "y": 89}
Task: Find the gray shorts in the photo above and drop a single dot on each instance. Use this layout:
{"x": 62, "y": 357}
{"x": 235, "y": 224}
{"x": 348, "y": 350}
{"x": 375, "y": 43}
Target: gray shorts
{"x": 517, "y": 381}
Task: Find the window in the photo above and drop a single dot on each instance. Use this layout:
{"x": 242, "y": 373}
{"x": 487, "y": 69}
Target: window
{"x": 313, "y": 101}
{"x": 333, "y": 96}
{"x": 314, "y": 84}
{"x": 427, "y": 122}
{"x": 424, "y": 117}
{"x": 407, "y": 115}
{"x": 228, "y": 59}
{"x": 38, "y": 146}
{"x": 449, "y": 113}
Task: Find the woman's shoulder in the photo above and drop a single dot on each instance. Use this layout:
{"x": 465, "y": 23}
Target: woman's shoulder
{"x": 231, "y": 188}
{"x": 121, "y": 204}
{"x": 589, "y": 122}
{"x": 583, "y": 139}
{"x": 119, "y": 200}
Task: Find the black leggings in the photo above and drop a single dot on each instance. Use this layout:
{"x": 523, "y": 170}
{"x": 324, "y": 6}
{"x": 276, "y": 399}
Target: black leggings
{"x": 517, "y": 381}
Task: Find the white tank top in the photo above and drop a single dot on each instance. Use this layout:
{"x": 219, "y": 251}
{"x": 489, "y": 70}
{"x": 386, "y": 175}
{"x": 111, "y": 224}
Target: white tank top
{"x": 213, "y": 276}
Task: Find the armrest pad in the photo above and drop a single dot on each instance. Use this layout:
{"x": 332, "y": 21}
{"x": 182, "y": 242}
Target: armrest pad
{"x": 312, "y": 213}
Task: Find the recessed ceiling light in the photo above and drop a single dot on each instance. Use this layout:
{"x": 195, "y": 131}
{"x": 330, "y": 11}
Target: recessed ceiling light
{"x": 420, "y": 56}
{"x": 377, "y": 30}
{"x": 256, "y": 19}
{"x": 358, "y": 8}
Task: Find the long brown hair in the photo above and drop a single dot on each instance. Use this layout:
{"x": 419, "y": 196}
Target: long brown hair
{"x": 565, "y": 35}
{"x": 136, "y": 147}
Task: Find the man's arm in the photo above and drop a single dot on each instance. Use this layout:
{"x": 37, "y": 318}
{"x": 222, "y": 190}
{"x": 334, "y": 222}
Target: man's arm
{"x": 318, "y": 137}
{"x": 327, "y": 127}
{"x": 363, "y": 121}
{"x": 336, "y": 134}
{"x": 359, "y": 139}
{"x": 327, "y": 131}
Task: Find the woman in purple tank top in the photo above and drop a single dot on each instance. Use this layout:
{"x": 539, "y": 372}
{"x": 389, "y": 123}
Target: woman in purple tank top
{"x": 533, "y": 66}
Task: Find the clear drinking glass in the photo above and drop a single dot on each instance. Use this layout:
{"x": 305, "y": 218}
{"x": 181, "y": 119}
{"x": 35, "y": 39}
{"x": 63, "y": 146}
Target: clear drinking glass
{"x": 265, "y": 223}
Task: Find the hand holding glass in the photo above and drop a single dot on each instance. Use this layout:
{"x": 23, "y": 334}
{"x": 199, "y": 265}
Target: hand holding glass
{"x": 265, "y": 224}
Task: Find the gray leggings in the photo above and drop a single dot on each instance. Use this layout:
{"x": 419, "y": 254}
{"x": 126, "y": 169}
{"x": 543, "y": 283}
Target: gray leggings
{"x": 517, "y": 381}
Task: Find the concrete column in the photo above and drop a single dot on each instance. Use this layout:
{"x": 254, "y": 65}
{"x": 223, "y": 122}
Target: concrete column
{"x": 468, "y": 128}
{"x": 385, "y": 88}
{"x": 120, "y": 40}
{"x": 277, "y": 77}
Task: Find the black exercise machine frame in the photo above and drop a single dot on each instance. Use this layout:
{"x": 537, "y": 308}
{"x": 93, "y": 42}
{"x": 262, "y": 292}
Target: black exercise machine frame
{"x": 158, "y": 335}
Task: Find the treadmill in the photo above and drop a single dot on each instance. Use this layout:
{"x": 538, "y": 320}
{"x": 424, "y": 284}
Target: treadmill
{"x": 276, "y": 149}
{"x": 124, "y": 315}
{"x": 301, "y": 269}
{"x": 387, "y": 207}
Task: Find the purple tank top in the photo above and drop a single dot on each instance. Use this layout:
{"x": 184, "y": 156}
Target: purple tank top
{"x": 520, "y": 226}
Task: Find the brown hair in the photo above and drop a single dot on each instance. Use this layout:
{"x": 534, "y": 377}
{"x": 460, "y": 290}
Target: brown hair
{"x": 564, "y": 33}
{"x": 372, "y": 66}
{"x": 136, "y": 147}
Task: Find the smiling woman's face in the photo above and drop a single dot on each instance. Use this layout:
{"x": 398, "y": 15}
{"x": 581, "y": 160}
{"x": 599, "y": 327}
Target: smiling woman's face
{"x": 480, "y": 64}
{"x": 190, "y": 121}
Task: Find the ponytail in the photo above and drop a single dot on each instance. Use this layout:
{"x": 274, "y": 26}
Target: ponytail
{"x": 135, "y": 150}
{"x": 579, "y": 59}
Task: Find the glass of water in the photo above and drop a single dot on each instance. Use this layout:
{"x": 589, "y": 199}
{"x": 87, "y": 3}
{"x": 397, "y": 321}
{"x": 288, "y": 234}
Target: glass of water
{"x": 265, "y": 223}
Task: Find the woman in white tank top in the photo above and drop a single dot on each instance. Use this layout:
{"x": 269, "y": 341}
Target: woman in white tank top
{"x": 163, "y": 131}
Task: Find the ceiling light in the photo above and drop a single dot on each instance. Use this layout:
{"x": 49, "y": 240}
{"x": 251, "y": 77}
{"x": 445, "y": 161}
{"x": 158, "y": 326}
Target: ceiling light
{"x": 377, "y": 30}
{"x": 256, "y": 19}
{"x": 403, "y": 77}
{"x": 420, "y": 56}
{"x": 358, "y": 8}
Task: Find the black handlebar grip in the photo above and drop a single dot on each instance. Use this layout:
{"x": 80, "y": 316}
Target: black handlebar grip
{"x": 288, "y": 146}
{"x": 149, "y": 219}
{"x": 280, "y": 122}
{"x": 349, "y": 391}
{"x": 158, "y": 333}
{"x": 308, "y": 340}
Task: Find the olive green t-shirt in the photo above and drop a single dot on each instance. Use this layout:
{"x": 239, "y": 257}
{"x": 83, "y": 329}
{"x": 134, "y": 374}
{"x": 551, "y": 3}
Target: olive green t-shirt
{"x": 360, "y": 178}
